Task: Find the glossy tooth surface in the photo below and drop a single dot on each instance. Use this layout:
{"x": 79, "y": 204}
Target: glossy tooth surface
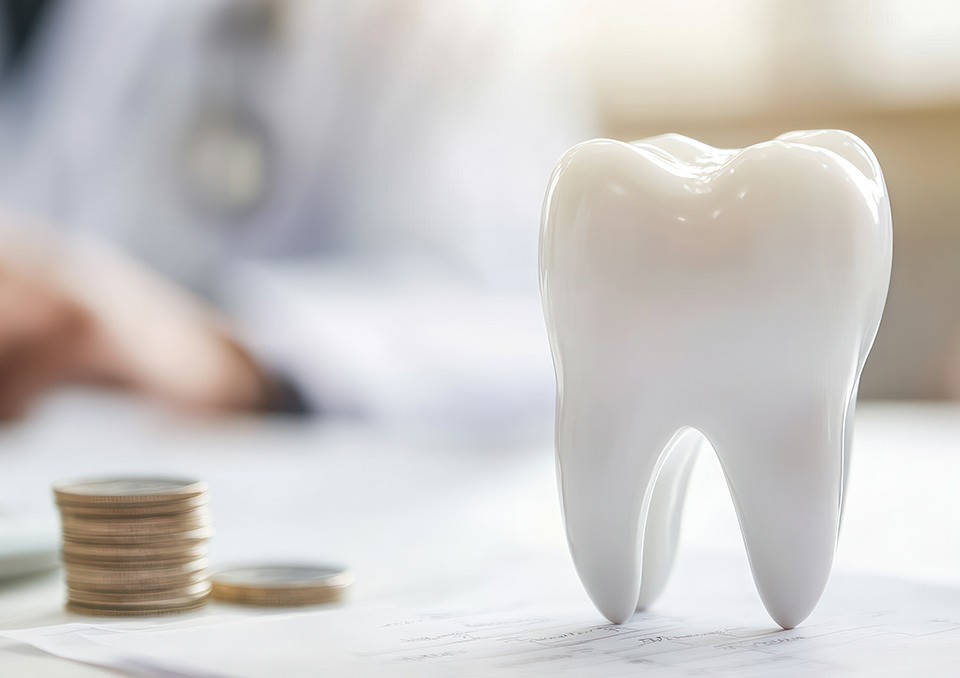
{"x": 697, "y": 293}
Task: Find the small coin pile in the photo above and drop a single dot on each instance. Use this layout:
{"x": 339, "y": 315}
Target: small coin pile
{"x": 281, "y": 585}
{"x": 135, "y": 546}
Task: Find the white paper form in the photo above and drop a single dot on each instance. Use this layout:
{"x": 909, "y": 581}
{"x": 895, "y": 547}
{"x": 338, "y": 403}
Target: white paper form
{"x": 865, "y": 625}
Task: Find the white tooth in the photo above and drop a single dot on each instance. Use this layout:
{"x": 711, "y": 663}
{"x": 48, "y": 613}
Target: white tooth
{"x": 735, "y": 294}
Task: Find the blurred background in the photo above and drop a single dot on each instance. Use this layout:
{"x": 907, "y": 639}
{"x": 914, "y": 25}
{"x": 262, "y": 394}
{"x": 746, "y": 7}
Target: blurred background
{"x": 333, "y": 207}
{"x": 734, "y": 73}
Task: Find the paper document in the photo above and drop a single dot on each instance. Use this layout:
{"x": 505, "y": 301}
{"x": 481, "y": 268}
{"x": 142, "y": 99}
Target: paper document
{"x": 867, "y": 625}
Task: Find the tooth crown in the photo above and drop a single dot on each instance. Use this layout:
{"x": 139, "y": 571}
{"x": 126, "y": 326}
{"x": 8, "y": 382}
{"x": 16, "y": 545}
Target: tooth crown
{"x": 732, "y": 295}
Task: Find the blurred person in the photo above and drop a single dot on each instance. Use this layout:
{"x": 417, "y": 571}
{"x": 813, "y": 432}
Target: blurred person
{"x": 354, "y": 187}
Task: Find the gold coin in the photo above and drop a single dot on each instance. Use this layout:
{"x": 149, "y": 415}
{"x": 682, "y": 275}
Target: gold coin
{"x": 126, "y": 491}
{"x": 101, "y": 611}
{"x": 172, "y": 551}
{"x": 115, "y": 585}
{"x": 145, "y": 572}
{"x": 280, "y": 598}
{"x": 281, "y": 585}
{"x": 86, "y": 526}
{"x": 158, "y": 540}
{"x": 155, "y": 564}
{"x": 134, "y": 546}
{"x": 173, "y": 596}
{"x": 134, "y": 511}
{"x": 170, "y": 599}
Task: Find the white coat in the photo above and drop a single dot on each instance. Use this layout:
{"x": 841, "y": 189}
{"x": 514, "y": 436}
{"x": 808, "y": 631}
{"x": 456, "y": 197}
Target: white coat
{"x": 357, "y": 183}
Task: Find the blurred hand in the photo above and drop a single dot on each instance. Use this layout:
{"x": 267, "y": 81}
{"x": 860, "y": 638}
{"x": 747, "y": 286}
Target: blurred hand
{"x": 45, "y": 339}
{"x": 75, "y": 311}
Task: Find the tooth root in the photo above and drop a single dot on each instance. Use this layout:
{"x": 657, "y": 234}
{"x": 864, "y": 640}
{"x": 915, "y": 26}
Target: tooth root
{"x": 606, "y": 462}
{"x": 662, "y": 531}
{"x": 784, "y": 473}
{"x": 848, "y": 445}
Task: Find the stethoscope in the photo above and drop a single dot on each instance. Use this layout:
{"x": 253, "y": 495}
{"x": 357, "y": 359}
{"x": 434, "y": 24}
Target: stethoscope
{"x": 226, "y": 161}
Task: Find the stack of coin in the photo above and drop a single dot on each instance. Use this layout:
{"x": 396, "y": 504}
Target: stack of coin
{"x": 281, "y": 585}
{"x": 135, "y": 546}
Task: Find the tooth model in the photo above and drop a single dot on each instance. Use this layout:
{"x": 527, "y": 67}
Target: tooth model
{"x": 697, "y": 293}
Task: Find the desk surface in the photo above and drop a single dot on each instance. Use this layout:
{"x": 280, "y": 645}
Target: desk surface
{"x": 424, "y": 519}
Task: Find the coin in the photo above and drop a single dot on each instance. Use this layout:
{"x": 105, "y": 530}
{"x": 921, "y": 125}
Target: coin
{"x": 158, "y": 540}
{"x": 101, "y": 590}
{"x": 138, "y": 552}
{"x": 281, "y": 585}
{"x": 110, "y": 525}
{"x": 121, "y": 585}
{"x": 178, "y": 595}
{"x": 146, "y": 572}
{"x": 134, "y": 546}
{"x": 126, "y": 491}
{"x": 100, "y": 611}
{"x": 132, "y": 511}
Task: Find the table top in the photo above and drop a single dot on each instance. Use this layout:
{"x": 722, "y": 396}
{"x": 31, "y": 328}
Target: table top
{"x": 422, "y": 516}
